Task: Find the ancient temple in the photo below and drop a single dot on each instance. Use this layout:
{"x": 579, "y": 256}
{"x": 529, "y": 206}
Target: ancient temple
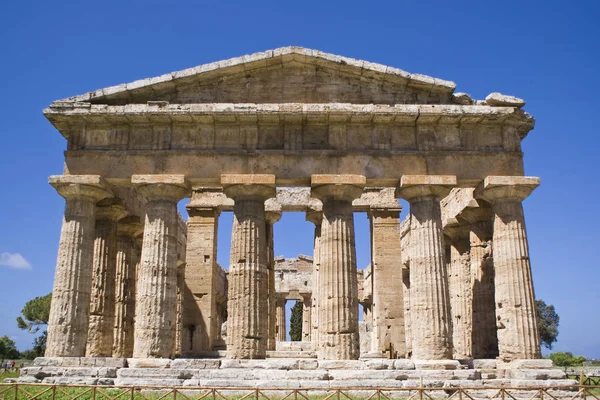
{"x": 292, "y": 130}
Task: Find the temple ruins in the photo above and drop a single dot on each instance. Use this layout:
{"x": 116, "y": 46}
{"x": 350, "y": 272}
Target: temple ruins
{"x": 293, "y": 130}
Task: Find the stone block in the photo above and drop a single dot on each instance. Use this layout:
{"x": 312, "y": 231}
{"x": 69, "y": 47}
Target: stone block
{"x": 308, "y": 364}
{"x": 404, "y": 364}
{"x": 379, "y": 364}
{"x": 437, "y": 364}
{"x": 148, "y": 382}
{"x": 537, "y": 374}
{"x": 189, "y": 363}
{"x": 149, "y": 362}
{"x": 526, "y": 364}
{"x": 70, "y": 380}
{"x": 341, "y": 364}
{"x": 227, "y": 374}
{"x": 156, "y": 373}
{"x": 502, "y": 100}
{"x": 29, "y": 379}
{"x": 247, "y": 179}
{"x": 357, "y": 374}
{"x": 356, "y": 180}
{"x": 484, "y": 364}
{"x": 438, "y": 180}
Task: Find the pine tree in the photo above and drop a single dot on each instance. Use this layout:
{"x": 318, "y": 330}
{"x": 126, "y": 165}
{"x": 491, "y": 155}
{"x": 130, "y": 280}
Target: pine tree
{"x": 296, "y": 323}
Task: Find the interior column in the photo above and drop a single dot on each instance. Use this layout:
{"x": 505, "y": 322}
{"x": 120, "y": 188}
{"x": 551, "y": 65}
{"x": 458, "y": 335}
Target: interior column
{"x": 102, "y": 304}
{"x": 272, "y": 215}
{"x": 386, "y": 269}
{"x": 127, "y": 259}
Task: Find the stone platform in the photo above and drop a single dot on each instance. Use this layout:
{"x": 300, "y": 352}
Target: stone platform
{"x": 299, "y": 373}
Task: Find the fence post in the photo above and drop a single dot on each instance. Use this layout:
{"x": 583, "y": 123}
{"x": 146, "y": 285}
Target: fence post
{"x": 582, "y": 384}
{"x": 16, "y": 391}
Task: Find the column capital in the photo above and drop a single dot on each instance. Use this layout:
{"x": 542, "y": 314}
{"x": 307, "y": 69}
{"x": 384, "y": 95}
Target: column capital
{"x": 272, "y": 211}
{"x": 162, "y": 187}
{"x": 496, "y": 189}
{"x": 249, "y": 186}
{"x": 111, "y": 209}
{"x": 476, "y": 211}
{"x": 337, "y": 187}
{"x": 457, "y": 231}
{"x": 414, "y": 187}
{"x": 92, "y": 187}
{"x": 130, "y": 226}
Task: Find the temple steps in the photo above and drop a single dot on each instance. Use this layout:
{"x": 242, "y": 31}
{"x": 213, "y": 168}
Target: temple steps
{"x": 297, "y": 373}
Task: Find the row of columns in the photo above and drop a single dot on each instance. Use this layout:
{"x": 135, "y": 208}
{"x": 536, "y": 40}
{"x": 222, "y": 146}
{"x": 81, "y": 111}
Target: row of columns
{"x": 86, "y": 245}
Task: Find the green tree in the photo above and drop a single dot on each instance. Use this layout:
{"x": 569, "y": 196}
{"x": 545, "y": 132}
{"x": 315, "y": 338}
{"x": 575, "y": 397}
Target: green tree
{"x": 8, "y": 349}
{"x": 36, "y": 313}
{"x": 547, "y": 323}
{"x": 296, "y": 322}
{"x": 566, "y": 359}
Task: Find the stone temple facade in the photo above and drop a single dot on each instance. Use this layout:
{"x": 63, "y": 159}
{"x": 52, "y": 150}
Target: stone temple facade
{"x": 292, "y": 130}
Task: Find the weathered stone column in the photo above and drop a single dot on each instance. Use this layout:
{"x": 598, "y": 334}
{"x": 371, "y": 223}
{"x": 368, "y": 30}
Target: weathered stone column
{"x": 127, "y": 260}
{"x": 69, "y": 311}
{"x": 429, "y": 300}
{"x": 459, "y": 288}
{"x": 280, "y": 320}
{"x": 306, "y": 318}
{"x": 247, "y": 324}
{"x": 484, "y": 335}
{"x": 201, "y": 325}
{"x": 104, "y": 266}
{"x": 338, "y": 291}
{"x": 386, "y": 274}
{"x": 156, "y": 307}
{"x": 518, "y": 336}
{"x": 272, "y": 215}
{"x": 405, "y": 246}
{"x": 178, "y": 345}
{"x": 315, "y": 215}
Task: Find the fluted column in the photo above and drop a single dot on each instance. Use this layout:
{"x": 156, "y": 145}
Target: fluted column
{"x": 306, "y": 318}
{"x": 459, "y": 288}
{"x": 518, "y": 336}
{"x": 178, "y": 345}
{"x": 156, "y": 307}
{"x": 315, "y": 215}
{"x": 338, "y": 287}
{"x": 247, "y": 326}
{"x": 69, "y": 311}
{"x": 429, "y": 299}
{"x": 386, "y": 275}
{"x": 126, "y": 260}
{"x": 272, "y": 215}
{"x": 484, "y": 335}
{"x": 104, "y": 266}
{"x": 280, "y": 319}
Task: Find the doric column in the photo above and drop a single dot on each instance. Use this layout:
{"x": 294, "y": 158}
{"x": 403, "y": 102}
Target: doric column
{"x": 201, "y": 325}
{"x": 338, "y": 291}
{"x": 104, "y": 267}
{"x": 459, "y": 288}
{"x": 484, "y": 335}
{"x": 429, "y": 300}
{"x": 280, "y": 319}
{"x": 518, "y": 336}
{"x": 272, "y": 215}
{"x": 178, "y": 343}
{"x": 247, "y": 324}
{"x": 306, "y": 318}
{"x": 69, "y": 311}
{"x": 127, "y": 260}
{"x": 315, "y": 215}
{"x": 156, "y": 307}
{"x": 405, "y": 246}
{"x": 386, "y": 275}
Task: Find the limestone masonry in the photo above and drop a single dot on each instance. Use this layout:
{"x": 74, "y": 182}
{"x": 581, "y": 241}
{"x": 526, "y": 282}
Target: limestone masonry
{"x": 292, "y": 130}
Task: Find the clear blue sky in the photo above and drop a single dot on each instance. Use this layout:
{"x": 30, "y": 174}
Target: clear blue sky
{"x": 546, "y": 52}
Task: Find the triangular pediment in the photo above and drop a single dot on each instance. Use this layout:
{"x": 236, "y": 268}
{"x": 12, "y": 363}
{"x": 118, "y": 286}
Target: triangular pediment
{"x": 285, "y": 75}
